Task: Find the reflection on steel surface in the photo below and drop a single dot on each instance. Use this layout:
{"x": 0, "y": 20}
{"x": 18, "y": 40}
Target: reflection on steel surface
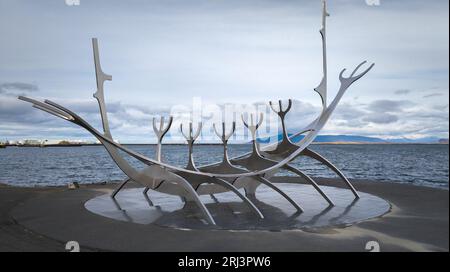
{"x": 232, "y": 214}
{"x": 247, "y": 171}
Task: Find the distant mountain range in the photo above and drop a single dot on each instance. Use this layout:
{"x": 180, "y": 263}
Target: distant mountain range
{"x": 358, "y": 139}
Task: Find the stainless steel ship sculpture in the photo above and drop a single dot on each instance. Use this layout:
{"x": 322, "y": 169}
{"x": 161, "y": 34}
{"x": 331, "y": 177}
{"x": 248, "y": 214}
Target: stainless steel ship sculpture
{"x": 247, "y": 171}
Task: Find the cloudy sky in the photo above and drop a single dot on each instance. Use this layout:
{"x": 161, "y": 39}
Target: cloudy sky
{"x": 170, "y": 54}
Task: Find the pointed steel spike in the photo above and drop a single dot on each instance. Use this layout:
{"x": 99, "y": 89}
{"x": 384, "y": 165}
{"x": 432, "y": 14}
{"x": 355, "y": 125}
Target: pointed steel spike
{"x": 243, "y": 121}
{"x": 198, "y": 131}
{"x": 341, "y": 75}
{"x": 289, "y": 105}
{"x": 216, "y": 131}
{"x": 364, "y": 72}
{"x": 272, "y": 107}
{"x": 155, "y": 129}
{"x": 161, "y": 123}
{"x": 182, "y": 132}
{"x": 223, "y": 130}
{"x": 357, "y": 67}
{"x": 261, "y": 117}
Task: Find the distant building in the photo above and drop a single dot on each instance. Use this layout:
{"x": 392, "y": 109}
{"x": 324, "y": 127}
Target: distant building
{"x": 32, "y": 142}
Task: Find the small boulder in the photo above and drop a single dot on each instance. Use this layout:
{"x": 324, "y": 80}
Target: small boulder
{"x": 73, "y": 185}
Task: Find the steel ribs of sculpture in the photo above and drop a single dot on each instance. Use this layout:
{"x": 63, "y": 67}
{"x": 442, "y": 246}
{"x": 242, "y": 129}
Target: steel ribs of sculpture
{"x": 247, "y": 171}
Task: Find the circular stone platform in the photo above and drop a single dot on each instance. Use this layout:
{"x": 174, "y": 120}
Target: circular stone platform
{"x": 230, "y": 213}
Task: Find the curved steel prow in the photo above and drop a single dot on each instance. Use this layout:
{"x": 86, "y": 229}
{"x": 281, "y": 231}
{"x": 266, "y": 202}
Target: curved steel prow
{"x": 322, "y": 88}
{"x": 101, "y": 77}
{"x": 99, "y": 95}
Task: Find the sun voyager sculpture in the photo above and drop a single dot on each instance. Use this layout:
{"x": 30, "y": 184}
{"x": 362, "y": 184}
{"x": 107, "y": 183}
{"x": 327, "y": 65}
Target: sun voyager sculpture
{"x": 247, "y": 171}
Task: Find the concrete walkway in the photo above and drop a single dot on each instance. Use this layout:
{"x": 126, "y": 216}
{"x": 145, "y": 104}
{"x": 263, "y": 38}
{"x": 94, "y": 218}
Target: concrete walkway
{"x": 44, "y": 219}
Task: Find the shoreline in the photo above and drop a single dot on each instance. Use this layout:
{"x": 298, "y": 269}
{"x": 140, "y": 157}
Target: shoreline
{"x": 219, "y": 144}
{"x": 114, "y": 182}
{"x": 41, "y": 219}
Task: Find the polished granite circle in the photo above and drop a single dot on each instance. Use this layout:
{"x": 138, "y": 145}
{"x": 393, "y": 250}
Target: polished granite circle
{"x": 230, "y": 213}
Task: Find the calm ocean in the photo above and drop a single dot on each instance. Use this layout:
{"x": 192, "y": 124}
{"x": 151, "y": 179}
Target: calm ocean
{"x": 426, "y": 165}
